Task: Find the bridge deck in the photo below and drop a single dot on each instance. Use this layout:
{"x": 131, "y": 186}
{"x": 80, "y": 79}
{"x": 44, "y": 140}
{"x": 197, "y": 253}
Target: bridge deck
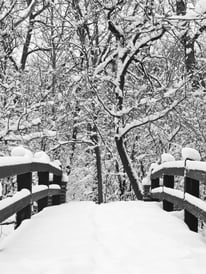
{"x": 120, "y": 237}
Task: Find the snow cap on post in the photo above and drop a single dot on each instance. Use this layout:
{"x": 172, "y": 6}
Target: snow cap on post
{"x": 57, "y": 163}
{"x": 65, "y": 178}
{"x": 153, "y": 166}
{"x": 42, "y": 156}
{"x": 190, "y": 154}
{"x": 20, "y": 151}
{"x": 167, "y": 157}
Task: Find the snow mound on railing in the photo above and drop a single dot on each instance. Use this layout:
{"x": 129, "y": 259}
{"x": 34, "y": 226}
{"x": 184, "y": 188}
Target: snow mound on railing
{"x": 195, "y": 201}
{"x": 38, "y": 188}
{"x": 14, "y": 160}
{"x": 167, "y": 157}
{"x": 16, "y": 197}
{"x": 42, "y": 157}
{"x": 57, "y": 163}
{"x": 196, "y": 165}
{"x": 174, "y": 192}
{"x": 172, "y": 164}
{"x": 21, "y": 151}
{"x": 54, "y": 186}
{"x": 190, "y": 154}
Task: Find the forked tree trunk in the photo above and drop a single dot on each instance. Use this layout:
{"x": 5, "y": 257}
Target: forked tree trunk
{"x": 127, "y": 167}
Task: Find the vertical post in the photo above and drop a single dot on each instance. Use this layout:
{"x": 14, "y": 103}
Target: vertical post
{"x": 24, "y": 181}
{"x": 64, "y": 181}
{"x": 168, "y": 181}
{"x": 155, "y": 183}
{"x": 43, "y": 180}
{"x": 191, "y": 186}
{"x": 56, "y": 199}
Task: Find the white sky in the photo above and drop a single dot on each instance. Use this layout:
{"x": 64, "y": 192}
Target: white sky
{"x": 119, "y": 237}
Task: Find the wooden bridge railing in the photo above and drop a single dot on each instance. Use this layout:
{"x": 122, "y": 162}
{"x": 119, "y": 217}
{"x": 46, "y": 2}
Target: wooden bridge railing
{"x": 193, "y": 173}
{"x": 46, "y": 193}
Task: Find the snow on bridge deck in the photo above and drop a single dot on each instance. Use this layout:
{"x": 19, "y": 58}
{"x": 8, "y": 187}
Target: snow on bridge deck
{"x": 119, "y": 237}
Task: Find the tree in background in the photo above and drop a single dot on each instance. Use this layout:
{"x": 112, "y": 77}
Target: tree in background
{"x": 104, "y": 85}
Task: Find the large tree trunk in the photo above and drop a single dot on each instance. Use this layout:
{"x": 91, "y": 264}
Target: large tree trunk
{"x": 27, "y": 41}
{"x": 128, "y": 167}
{"x": 97, "y": 152}
{"x": 121, "y": 181}
{"x": 187, "y": 40}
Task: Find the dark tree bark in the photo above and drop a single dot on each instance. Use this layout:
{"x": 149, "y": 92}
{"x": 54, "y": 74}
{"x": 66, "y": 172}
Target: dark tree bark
{"x": 187, "y": 41}
{"x": 27, "y": 41}
{"x": 97, "y": 152}
{"x": 32, "y": 16}
{"x": 127, "y": 167}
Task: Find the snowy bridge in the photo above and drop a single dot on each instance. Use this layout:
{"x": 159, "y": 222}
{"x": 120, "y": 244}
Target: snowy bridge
{"x": 119, "y": 237}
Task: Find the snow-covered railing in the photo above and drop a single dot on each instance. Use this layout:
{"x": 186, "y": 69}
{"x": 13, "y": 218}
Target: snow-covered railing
{"x": 193, "y": 172}
{"x": 51, "y": 188}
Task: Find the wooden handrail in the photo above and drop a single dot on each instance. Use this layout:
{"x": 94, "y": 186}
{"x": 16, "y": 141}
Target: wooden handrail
{"x": 198, "y": 210}
{"x": 20, "y": 203}
{"x": 11, "y": 166}
{"x": 15, "y": 204}
{"x": 193, "y": 172}
{"x": 194, "y": 169}
{"x": 175, "y": 168}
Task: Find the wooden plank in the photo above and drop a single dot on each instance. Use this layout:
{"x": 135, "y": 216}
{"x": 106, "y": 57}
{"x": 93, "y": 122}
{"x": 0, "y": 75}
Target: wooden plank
{"x": 17, "y": 206}
{"x": 168, "y": 181}
{"x": 40, "y": 194}
{"x": 45, "y": 193}
{"x": 56, "y": 199}
{"x": 170, "y": 198}
{"x": 43, "y": 180}
{"x": 182, "y": 204}
{"x": 53, "y": 192}
{"x": 24, "y": 181}
{"x": 197, "y": 175}
{"x": 12, "y": 170}
{"x": 174, "y": 171}
{"x": 45, "y": 167}
{"x": 18, "y": 169}
{"x": 14, "y": 208}
{"x": 191, "y": 186}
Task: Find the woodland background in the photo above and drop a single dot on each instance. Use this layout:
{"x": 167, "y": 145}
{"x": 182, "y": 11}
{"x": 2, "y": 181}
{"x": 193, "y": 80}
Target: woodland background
{"x": 104, "y": 86}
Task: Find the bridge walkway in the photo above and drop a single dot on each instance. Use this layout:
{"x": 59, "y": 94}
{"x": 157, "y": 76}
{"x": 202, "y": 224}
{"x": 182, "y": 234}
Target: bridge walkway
{"x": 118, "y": 237}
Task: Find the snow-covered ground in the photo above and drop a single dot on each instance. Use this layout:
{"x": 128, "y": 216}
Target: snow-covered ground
{"x": 119, "y": 237}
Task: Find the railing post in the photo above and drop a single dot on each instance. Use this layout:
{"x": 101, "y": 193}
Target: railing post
{"x": 191, "y": 186}
{"x": 168, "y": 181}
{"x": 155, "y": 183}
{"x": 43, "y": 180}
{"x": 57, "y": 199}
{"x": 64, "y": 181}
{"x": 24, "y": 181}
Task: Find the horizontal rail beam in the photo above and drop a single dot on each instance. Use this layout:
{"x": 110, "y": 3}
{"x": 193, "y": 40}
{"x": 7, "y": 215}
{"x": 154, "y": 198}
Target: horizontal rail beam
{"x": 18, "y": 204}
{"x": 193, "y": 208}
{"x": 13, "y": 208}
{"x": 11, "y": 166}
{"x": 194, "y": 169}
{"x": 175, "y": 168}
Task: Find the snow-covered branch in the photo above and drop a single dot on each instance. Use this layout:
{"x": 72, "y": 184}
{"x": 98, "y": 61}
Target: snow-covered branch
{"x": 146, "y": 120}
{"x": 64, "y": 143}
{"x": 7, "y": 12}
{"x": 25, "y": 13}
